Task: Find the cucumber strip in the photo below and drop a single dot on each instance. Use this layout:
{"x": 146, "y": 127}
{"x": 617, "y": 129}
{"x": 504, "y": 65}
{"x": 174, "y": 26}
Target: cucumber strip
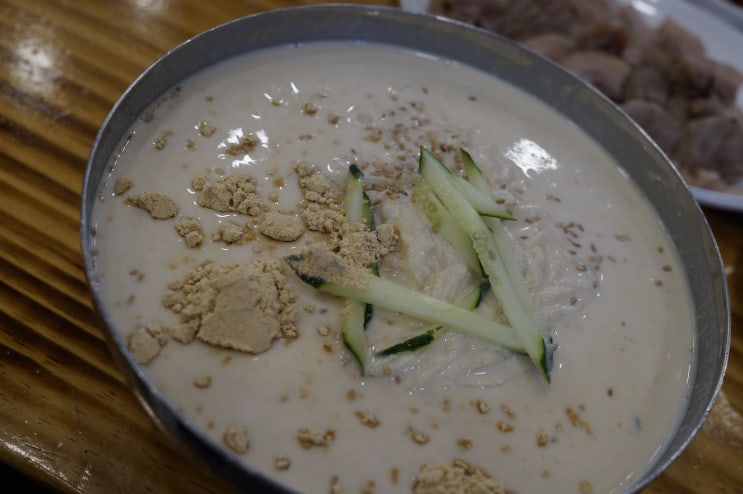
{"x": 505, "y": 246}
{"x": 473, "y": 173}
{"x": 356, "y": 315}
{"x": 353, "y": 320}
{"x": 531, "y": 337}
{"x": 367, "y": 214}
{"x": 503, "y": 243}
{"x": 353, "y": 324}
{"x": 411, "y": 344}
{"x": 354, "y": 203}
{"x": 384, "y": 293}
{"x": 470, "y": 302}
{"x": 481, "y": 201}
{"x": 358, "y": 207}
{"x": 446, "y": 225}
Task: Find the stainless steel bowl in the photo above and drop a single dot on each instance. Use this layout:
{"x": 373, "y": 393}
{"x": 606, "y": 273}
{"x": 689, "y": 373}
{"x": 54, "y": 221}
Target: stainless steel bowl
{"x": 641, "y": 159}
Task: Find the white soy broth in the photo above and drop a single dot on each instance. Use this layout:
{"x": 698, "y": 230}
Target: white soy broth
{"x": 601, "y": 267}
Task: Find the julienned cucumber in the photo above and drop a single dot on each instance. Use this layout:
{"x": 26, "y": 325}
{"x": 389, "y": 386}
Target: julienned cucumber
{"x": 446, "y": 225}
{"x": 470, "y": 302}
{"x": 354, "y": 337}
{"x": 354, "y": 201}
{"x": 480, "y": 201}
{"x": 413, "y": 343}
{"x": 507, "y": 252}
{"x": 357, "y": 315}
{"x": 503, "y": 243}
{"x": 389, "y": 295}
{"x": 444, "y": 184}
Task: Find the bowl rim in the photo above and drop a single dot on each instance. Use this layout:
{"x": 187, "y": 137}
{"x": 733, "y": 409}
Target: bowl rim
{"x": 448, "y": 39}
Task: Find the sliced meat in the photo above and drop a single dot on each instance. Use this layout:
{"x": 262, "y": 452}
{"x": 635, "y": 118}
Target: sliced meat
{"x": 730, "y": 155}
{"x": 660, "y": 125}
{"x": 647, "y": 83}
{"x": 714, "y": 142}
{"x": 605, "y": 72}
{"x": 639, "y": 30}
{"x": 725, "y": 83}
{"x": 551, "y": 45}
{"x": 482, "y": 13}
{"x": 605, "y": 36}
{"x": 692, "y": 75}
{"x": 679, "y": 106}
{"x": 528, "y": 17}
{"x": 703, "y": 107}
{"x": 673, "y": 37}
{"x": 522, "y": 19}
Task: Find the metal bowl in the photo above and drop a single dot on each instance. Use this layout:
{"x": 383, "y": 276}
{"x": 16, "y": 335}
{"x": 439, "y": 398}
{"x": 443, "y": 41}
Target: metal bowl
{"x": 640, "y": 158}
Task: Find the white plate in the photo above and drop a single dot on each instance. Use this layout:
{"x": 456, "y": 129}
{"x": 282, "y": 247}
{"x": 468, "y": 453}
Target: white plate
{"x": 722, "y": 40}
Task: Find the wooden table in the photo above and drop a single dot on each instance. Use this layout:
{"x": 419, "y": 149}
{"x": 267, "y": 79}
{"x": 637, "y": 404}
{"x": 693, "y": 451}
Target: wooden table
{"x": 67, "y": 418}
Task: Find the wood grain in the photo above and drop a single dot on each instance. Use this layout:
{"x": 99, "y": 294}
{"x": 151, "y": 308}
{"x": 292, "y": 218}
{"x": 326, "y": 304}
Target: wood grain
{"x": 67, "y": 418}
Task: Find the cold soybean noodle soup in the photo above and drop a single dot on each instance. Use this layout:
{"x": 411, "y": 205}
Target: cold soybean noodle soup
{"x": 246, "y": 164}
